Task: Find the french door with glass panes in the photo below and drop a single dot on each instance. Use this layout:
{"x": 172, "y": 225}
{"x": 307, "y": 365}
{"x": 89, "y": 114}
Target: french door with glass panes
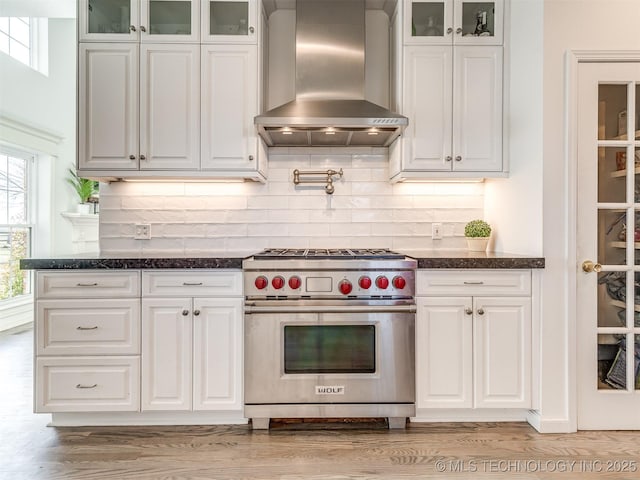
{"x": 608, "y": 246}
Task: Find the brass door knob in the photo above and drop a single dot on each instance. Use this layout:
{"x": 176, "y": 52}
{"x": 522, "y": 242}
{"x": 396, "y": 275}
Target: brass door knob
{"x": 588, "y": 266}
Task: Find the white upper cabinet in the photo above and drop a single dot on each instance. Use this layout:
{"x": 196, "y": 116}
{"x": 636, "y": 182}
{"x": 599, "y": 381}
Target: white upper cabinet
{"x": 139, "y": 20}
{"x": 229, "y": 103}
{"x": 229, "y": 21}
{"x": 458, "y": 22}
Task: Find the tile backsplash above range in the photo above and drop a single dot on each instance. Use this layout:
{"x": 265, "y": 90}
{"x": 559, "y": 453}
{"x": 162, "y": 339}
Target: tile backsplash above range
{"x": 365, "y": 210}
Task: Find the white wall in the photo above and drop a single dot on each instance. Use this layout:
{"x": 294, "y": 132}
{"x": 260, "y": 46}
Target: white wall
{"x": 365, "y": 210}
{"x": 48, "y": 103}
{"x": 568, "y": 25}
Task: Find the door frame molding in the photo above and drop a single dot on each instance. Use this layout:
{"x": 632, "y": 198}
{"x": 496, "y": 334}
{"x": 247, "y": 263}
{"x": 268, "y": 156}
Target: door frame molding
{"x": 572, "y": 60}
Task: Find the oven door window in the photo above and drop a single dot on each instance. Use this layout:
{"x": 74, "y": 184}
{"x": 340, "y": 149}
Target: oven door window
{"x": 329, "y": 349}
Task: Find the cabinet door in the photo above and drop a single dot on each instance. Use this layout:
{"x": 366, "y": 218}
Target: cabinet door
{"x": 229, "y": 21}
{"x": 229, "y": 103}
{"x": 444, "y": 353}
{"x": 167, "y": 329}
{"x": 170, "y": 21}
{"x": 217, "y": 367}
{"x": 169, "y": 107}
{"x": 478, "y": 22}
{"x": 477, "y": 109}
{"x": 427, "y": 102}
{"x": 502, "y": 352}
{"x": 108, "y": 20}
{"x": 108, "y": 107}
{"x": 428, "y": 22}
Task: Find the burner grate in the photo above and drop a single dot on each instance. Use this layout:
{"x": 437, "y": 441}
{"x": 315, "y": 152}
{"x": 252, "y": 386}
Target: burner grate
{"x": 328, "y": 253}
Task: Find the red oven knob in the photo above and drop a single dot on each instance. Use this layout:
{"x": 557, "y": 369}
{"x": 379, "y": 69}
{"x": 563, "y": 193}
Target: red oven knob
{"x": 382, "y": 282}
{"x": 399, "y": 282}
{"x": 294, "y": 283}
{"x": 345, "y": 287}
{"x": 277, "y": 282}
{"x": 261, "y": 282}
{"x": 364, "y": 282}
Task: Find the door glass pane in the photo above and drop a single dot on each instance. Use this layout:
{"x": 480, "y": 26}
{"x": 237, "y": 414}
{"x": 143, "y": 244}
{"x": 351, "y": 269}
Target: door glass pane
{"x": 637, "y": 362}
{"x": 169, "y": 18}
{"x": 612, "y": 299}
{"x": 329, "y": 349}
{"x": 637, "y": 128}
{"x": 427, "y": 19}
{"x": 478, "y": 19}
{"x": 612, "y": 235}
{"x": 612, "y": 112}
{"x": 109, "y": 16}
{"x": 228, "y": 18}
{"x": 612, "y": 175}
{"x": 612, "y": 362}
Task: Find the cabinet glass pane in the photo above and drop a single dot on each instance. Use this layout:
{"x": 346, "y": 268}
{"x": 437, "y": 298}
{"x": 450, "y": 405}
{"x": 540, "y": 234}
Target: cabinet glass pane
{"x": 478, "y": 19}
{"x": 612, "y": 235}
{"x": 228, "y": 18}
{"x": 109, "y": 16}
{"x": 612, "y": 299}
{"x": 427, "y": 19}
{"x": 611, "y": 362}
{"x": 169, "y": 18}
{"x": 612, "y": 112}
{"x": 612, "y": 175}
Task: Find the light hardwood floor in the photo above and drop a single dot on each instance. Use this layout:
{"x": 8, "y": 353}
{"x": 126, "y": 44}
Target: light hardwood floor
{"x": 31, "y": 450}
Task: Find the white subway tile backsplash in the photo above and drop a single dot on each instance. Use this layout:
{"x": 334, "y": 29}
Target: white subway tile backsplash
{"x": 364, "y": 211}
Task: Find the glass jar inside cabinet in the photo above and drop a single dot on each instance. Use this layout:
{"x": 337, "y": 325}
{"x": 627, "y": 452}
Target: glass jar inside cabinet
{"x": 229, "y": 21}
{"x": 464, "y": 22}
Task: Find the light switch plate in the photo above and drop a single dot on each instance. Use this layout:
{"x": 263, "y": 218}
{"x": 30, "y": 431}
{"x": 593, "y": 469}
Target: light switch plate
{"x": 436, "y": 231}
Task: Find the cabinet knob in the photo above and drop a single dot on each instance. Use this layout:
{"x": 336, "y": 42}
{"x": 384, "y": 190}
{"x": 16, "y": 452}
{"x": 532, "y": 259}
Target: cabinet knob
{"x": 251, "y": 158}
{"x": 459, "y": 30}
{"x": 142, "y": 28}
{"x": 132, "y": 28}
{"x": 448, "y": 158}
{"x": 196, "y": 312}
{"x": 480, "y": 311}
{"x": 458, "y": 158}
{"x": 251, "y": 29}
{"x": 450, "y": 30}
{"x": 142, "y": 157}
{"x": 132, "y": 157}
{"x": 185, "y": 313}
{"x": 468, "y": 311}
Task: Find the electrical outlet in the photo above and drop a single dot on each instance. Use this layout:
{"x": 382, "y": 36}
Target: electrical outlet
{"x": 436, "y": 231}
{"x": 142, "y": 231}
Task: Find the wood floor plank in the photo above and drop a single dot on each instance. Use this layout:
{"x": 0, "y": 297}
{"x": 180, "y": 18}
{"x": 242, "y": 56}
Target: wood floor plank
{"x": 31, "y": 450}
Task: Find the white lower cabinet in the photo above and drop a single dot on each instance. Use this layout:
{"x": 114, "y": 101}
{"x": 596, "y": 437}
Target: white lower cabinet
{"x": 472, "y": 350}
{"x": 192, "y": 345}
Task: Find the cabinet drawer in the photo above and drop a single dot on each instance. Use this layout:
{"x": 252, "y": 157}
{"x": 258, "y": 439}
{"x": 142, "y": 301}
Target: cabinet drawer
{"x": 87, "y": 284}
{"x": 87, "y": 384}
{"x": 473, "y": 282}
{"x": 87, "y": 327}
{"x": 192, "y": 283}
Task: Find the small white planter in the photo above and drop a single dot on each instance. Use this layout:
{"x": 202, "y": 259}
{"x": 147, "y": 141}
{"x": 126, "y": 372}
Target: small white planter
{"x": 477, "y": 244}
{"x": 84, "y": 208}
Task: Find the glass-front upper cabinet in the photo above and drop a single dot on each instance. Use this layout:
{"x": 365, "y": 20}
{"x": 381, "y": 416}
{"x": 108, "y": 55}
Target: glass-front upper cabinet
{"x": 459, "y": 22}
{"x": 139, "y": 20}
{"x": 229, "y": 21}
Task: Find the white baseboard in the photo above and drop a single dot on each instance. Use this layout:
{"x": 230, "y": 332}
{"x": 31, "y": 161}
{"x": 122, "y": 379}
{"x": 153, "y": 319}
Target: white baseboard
{"x": 95, "y": 419}
{"x": 470, "y": 415}
{"x": 549, "y": 425}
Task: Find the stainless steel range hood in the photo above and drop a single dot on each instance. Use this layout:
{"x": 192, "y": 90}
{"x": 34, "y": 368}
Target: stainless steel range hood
{"x": 330, "y": 109}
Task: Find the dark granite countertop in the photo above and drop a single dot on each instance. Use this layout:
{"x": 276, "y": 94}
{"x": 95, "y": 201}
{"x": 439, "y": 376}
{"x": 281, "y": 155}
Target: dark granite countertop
{"x": 136, "y": 261}
{"x": 466, "y": 259}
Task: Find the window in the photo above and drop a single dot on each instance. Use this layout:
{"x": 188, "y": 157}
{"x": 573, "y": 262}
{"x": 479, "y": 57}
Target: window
{"x": 25, "y": 39}
{"x": 15, "y": 226}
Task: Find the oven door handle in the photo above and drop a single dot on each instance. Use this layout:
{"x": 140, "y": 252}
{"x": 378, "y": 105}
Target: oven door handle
{"x": 249, "y": 309}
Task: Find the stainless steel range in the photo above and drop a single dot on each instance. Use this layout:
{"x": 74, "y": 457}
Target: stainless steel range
{"x": 329, "y": 334}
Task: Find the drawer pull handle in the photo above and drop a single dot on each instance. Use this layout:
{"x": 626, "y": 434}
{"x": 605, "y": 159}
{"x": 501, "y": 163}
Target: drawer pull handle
{"x": 191, "y": 284}
{"x": 87, "y": 328}
{"x": 87, "y": 284}
{"x": 86, "y": 386}
{"x": 474, "y": 283}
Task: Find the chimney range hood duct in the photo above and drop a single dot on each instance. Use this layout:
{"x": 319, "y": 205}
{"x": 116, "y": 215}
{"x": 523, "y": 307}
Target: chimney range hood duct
{"x": 329, "y": 108}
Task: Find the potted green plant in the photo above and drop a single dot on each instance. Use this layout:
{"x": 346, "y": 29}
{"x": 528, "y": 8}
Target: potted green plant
{"x": 84, "y": 188}
{"x": 477, "y": 233}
